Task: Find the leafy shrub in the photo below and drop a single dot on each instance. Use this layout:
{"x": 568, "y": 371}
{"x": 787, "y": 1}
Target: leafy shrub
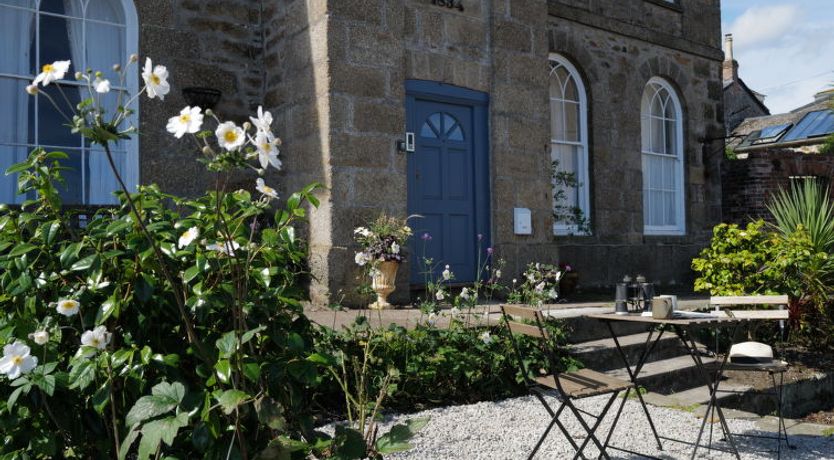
{"x": 444, "y": 366}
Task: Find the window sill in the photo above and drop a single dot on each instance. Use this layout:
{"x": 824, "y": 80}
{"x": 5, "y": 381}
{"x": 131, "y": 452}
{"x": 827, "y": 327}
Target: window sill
{"x": 674, "y": 6}
{"x": 663, "y": 232}
{"x": 571, "y": 231}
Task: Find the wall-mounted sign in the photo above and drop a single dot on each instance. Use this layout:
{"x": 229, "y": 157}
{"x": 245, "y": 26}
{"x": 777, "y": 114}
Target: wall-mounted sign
{"x": 451, "y": 4}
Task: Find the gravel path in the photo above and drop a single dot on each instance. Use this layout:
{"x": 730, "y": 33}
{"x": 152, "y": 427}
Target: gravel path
{"x": 509, "y": 429}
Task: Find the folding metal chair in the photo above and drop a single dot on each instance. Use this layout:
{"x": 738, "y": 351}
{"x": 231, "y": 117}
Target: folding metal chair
{"x": 775, "y": 368}
{"x": 570, "y": 386}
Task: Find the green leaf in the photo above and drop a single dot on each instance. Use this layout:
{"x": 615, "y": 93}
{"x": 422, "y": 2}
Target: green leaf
{"x": 144, "y": 288}
{"x": 248, "y": 335}
{"x": 82, "y": 374}
{"x": 70, "y": 253}
{"x": 270, "y": 413}
{"x": 21, "y": 249}
{"x": 227, "y": 344}
{"x": 164, "y": 397}
{"x": 191, "y": 273}
{"x": 128, "y": 441}
{"x": 223, "y": 370}
{"x": 396, "y": 440}
{"x": 52, "y": 231}
{"x": 85, "y": 263}
{"x": 15, "y": 394}
{"x": 323, "y": 358}
{"x": 230, "y": 399}
{"x": 45, "y": 383}
{"x": 348, "y": 444}
{"x": 164, "y": 430}
{"x": 107, "y": 308}
{"x": 101, "y": 398}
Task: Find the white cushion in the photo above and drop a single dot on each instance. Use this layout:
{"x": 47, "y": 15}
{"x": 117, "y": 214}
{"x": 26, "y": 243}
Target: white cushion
{"x": 751, "y": 353}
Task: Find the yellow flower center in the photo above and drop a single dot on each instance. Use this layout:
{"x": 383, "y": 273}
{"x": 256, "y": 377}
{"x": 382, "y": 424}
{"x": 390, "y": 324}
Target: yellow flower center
{"x": 185, "y": 118}
{"x": 48, "y": 68}
{"x": 268, "y": 190}
{"x": 155, "y": 79}
{"x": 230, "y": 136}
{"x": 96, "y": 342}
{"x": 17, "y": 360}
{"x": 266, "y": 147}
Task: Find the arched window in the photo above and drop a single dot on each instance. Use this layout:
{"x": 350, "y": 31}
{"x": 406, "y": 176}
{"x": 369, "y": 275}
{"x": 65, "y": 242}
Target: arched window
{"x": 569, "y": 147}
{"x": 662, "y": 139}
{"x": 93, "y": 34}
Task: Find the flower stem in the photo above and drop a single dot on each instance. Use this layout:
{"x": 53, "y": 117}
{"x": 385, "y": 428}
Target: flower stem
{"x": 189, "y": 327}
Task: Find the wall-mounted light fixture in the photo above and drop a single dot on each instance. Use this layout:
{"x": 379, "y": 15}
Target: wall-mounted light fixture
{"x": 205, "y": 98}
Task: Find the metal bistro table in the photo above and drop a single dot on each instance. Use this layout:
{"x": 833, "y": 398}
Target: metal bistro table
{"x": 683, "y": 325}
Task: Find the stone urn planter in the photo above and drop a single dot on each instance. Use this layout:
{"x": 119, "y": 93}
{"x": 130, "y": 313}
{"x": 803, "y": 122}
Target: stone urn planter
{"x": 384, "y": 283}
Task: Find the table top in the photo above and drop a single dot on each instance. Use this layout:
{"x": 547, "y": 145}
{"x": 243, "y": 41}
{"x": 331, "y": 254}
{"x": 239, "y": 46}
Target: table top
{"x": 638, "y": 318}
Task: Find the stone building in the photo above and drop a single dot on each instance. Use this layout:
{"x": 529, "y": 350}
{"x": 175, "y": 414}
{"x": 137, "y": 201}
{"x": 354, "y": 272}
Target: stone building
{"x": 484, "y": 94}
{"x": 740, "y": 102}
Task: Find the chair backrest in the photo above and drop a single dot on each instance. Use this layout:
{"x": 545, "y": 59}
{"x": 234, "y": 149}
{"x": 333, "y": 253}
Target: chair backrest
{"x": 534, "y": 327}
{"x": 727, "y": 302}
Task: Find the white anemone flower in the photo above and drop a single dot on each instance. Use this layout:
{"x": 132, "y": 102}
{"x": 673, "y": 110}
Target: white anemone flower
{"x": 464, "y": 294}
{"x": 98, "y": 338}
{"x": 558, "y": 275}
{"x": 52, "y": 72}
{"x": 156, "y": 80}
{"x": 188, "y": 237}
{"x": 101, "y": 85}
{"x": 540, "y": 287}
{"x": 17, "y": 360}
{"x": 68, "y": 307}
{"x": 498, "y": 273}
{"x": 40, "y": 337}
{"x": 486, "y": 338}
{"x": 395, "y": 248}
{"x": 447, "y": 275}
{"x": 440, "y": 295}
{"x": 230, "y": 136}
{"x": 432, "y": 319}
{"x": 361, "y": 258}
{"x": 553, "y": 294}
{"x": 267, "y": 150}
{"x": 266, "y": 190}
{"x": 227, "y": 248}
{"x": 455, "y": 311}
{"x": 189, "y": 121}
{"x": 264, "y": 121}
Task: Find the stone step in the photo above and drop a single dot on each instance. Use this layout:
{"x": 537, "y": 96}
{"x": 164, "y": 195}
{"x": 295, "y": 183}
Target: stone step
{"x": 667, "y": 375}
{"x": 602, "y": 354}
{"x": 700, "y": 395}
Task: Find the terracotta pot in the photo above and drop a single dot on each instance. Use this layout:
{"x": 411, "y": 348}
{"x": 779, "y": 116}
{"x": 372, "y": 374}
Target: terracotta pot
{"x": 384, "y": 283}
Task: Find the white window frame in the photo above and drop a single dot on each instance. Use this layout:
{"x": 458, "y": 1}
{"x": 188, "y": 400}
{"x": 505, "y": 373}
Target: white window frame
{"x": 582, "y": 176}
{"x": 131, "y": 26}
{"x": 645, "y": 114}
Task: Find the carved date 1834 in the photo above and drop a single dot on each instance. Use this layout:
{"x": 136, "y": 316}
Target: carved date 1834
{"x": 452, "y": 4}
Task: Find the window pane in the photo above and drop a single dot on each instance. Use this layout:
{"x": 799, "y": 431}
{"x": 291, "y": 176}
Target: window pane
{"x": 557, "y": 120}
{"x": 557, "y": 82}
{"x": 101, "y": 182}
{"x": 62, "y": 39}
{"x": 57, "y": 6}
{"x": 571, "y": 93}
{"x": 572, "y": 122}
{"x": 105, "y": 47}
{"x": 52, "y": 126}
{"x": 17, "y": 37}
{"x": 71, "y": 189}
{"x": 671, "y": 137}
{"x": 106, "y": 10}
{"x": 657, "y": 135}
{"x": 17, "y": 115}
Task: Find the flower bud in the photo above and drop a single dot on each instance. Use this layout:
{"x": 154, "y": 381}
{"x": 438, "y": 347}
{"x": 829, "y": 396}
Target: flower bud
{"x": 207, "y": 150}
{"x": 79, "y": 75}
{"x": 117, "y": 67}
{"x": 40, "y": 337}
{"x": 246, "y": 126}
{"x": 260, "y": 171}
{"x": 99, "y": 74}
{"x": 278, "y": 142}
{"x": 134, "y": 57}
{"x": 209, "y": 113}
{"x": 32, "y": 89}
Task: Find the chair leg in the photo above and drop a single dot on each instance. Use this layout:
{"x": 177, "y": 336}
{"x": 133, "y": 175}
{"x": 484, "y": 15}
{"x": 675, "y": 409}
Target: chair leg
{"x": 592, "y": 430}
{"x": 553, "y": 421}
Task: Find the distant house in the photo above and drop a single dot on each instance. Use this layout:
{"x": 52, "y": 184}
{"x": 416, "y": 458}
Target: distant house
{"x": 772, "y": 152}
{"x": 740, "y": 102}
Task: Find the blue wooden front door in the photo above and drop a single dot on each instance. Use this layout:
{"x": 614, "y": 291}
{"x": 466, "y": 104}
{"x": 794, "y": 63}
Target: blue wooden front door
{"x": 447, "y": 178}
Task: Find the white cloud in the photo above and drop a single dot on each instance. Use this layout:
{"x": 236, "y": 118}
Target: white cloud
{"x": 761, "y": 25}
{"x": 784, "y": 52}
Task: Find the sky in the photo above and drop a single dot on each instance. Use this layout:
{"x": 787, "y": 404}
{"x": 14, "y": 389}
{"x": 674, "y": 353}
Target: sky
{"x": 785, "y": 48}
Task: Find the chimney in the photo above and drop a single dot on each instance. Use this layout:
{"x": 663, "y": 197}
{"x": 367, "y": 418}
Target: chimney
{"x": 730, "y": 66}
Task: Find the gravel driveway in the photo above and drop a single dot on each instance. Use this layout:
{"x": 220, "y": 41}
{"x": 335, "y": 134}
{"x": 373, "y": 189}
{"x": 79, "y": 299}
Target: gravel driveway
{"x": 509, "y": 429}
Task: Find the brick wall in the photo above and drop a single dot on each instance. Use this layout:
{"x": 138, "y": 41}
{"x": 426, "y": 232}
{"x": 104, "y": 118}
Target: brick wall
{"x": 749, "y": 183}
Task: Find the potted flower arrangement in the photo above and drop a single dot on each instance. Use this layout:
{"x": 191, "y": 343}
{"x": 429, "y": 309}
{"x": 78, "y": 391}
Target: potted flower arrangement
{"x": 382, "y": 243}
